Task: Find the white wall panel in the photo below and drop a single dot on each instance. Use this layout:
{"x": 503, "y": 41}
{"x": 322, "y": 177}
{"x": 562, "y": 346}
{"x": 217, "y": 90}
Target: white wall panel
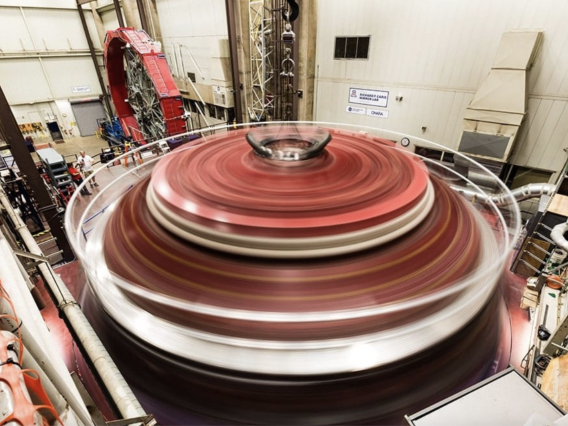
{"x": 110, "y": 20}
{"x": 547, "y": 123}
{"x": 44, "y": 4}
{"x": 32, "y": 113}
{"x": 539, "y": 116}
{"x": 450, "y": 135}
{"x": 63, "y": 32}
{"x": 436, "y": 53}
{"x": 49, "y": 29}
{"x": 198, "y": 27}
{"x": 14, "y": 36}
{"x": 23, "y": 81}
{"x": 549, "y": 146}
{"x": 46, "y": 52}
{"x": 66, "y": 73}
{"x": 33, "y": 80}
{"x": 522, "y": 150}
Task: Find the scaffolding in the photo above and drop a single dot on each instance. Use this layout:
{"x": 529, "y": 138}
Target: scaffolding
{"x": 271, "y": 64}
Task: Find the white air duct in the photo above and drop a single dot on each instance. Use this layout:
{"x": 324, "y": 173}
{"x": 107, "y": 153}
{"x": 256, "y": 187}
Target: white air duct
{"x": 532, "y": 190}
{"x": 557, "y": 235}
{"x": 494, "y": 116}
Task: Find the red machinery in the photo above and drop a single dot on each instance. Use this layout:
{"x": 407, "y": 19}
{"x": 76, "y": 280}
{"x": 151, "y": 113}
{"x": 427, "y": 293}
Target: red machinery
{"x": 147, "y": 101}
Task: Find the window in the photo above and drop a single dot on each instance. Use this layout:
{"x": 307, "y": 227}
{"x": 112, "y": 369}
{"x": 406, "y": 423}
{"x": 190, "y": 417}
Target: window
{"x": 351, "y": 48}
{"x": 191, "y": 76}
{"x": 212, "y": 110}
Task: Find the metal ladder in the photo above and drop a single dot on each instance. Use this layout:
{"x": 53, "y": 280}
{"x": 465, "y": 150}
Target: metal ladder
{"x": 541, "y": 232}
{"x": 537, "y": 234}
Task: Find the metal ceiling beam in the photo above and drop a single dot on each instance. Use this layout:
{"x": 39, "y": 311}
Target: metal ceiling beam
{"x": 7, "y": 6}
{"x": 31, "y": 55}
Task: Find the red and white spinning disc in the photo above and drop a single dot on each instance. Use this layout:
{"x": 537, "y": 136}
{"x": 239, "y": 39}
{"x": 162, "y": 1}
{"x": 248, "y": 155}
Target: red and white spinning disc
{"x": 359, "y": 193}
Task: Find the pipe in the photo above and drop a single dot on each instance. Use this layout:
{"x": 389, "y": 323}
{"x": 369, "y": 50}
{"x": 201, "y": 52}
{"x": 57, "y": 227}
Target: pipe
{"x": 532, "y": 190}
{"x": 482, "y": 179}
{"x": 111, "y": 377}
{"x": 9, "y": 343}
{"x": 31, "y": 287}
{"x": 176, "y": 74}
{"x": 29, "y": 361}
{"x": 557, "y": 235}
{"x": 35, "y": 338}
{"x": 192, "y": 60}
{"x": 194, "y": 88}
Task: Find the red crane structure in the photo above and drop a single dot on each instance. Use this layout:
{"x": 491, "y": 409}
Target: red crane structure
{"x": 148, "y": 104}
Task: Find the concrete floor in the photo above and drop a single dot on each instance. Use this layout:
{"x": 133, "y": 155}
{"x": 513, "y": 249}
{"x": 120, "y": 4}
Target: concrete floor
{"x": 71, "y": 147}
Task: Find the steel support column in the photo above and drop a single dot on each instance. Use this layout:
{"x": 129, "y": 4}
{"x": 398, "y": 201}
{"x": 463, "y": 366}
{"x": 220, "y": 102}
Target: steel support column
{"x": 118, "y": 11}
{"x": 143, "y": 18}
{"x": 11, "y": 132}
{"x": 232, "y": 28}
{"x": 105, "y": 96}
{"x": 296, "y": 58}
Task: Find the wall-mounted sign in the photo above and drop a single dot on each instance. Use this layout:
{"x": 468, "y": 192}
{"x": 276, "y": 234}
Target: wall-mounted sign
{"x": 377, "y": 98}
{"x": 219, "y": 95}
{"x": 355, "y": 110}
{"x": 378, "y": 113}
{"x": 81, "y": 89}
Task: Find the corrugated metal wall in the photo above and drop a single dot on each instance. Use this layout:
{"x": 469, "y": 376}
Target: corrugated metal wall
{"x": 435, "y": 53}
{"x": 44, "y": 52}
{"x": 198, "y": 29}
{"x": 44, "y": 59}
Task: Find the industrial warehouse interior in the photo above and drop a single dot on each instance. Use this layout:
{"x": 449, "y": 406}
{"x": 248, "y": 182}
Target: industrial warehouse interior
{"x": 283, "y": 212}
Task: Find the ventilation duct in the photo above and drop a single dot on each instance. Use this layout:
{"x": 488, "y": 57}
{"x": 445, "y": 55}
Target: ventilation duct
{"x": 493, "y": 118}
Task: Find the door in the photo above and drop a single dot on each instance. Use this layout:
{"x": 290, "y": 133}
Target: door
{"x": 86, "y": 115}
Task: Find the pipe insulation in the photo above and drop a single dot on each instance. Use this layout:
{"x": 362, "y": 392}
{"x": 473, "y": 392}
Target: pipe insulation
{"x": 118, "y": 389}
{"x": 36, "y": 338}
{"x": 532, "y": 190}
